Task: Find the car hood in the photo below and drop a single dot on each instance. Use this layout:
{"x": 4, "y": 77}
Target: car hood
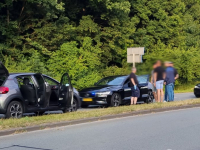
{"x": 100, "y": 88}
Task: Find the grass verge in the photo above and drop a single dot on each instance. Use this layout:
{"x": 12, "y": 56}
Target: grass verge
{"x": 39, "y": 120}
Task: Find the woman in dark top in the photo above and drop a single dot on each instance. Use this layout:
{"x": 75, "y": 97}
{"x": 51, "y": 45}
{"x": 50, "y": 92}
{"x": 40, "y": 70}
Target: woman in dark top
{"x": 134, "y": 87}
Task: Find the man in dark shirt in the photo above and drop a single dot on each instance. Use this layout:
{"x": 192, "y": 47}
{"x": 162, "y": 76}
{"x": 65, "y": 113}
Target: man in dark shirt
{"x": 159, "y": 75}
{"x": 169, "y": 82}
{"x": 134, "y": 87}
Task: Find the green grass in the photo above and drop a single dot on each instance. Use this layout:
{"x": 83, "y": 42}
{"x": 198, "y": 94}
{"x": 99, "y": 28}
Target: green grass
{"x": 39, "y": 120}
{"x": 184, "y": 88}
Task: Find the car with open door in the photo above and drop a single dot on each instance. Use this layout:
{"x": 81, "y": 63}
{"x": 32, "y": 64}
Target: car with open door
{"x": 29, "y": 92}
{"x": 116, "y": 90}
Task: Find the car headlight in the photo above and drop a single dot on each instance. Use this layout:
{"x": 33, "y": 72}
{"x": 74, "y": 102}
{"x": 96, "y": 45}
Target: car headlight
{"x": 197, "y": 87}
{"x": 102, "y": 94}
{"x": 144, "y": 87}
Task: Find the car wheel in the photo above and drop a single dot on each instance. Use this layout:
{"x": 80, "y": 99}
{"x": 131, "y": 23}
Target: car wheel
{"x": 150, "y": 97}
{"x": 84, "y": 106}
{"x": 14, "y": 110}
{"x": 197, "y": 96}
{"x": 74, "y": 106}
{"x": 115, "y": 100}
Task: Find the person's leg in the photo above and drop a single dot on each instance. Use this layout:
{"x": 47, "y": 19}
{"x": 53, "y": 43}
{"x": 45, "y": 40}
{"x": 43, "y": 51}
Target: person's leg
{"x": 161, "y": 91}
{"x": 171, "y": 91}
{"x": 155, "y": 96}
{"x": 132, "y": 100}
{"x": 158, "y": 90}
{"x": 135, "y": 100}
{"x": 158, "y": 95}
{"x": 166, "y": 93}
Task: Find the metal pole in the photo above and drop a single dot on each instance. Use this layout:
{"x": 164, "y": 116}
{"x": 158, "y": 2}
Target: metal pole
{"x": 133, "y": 60}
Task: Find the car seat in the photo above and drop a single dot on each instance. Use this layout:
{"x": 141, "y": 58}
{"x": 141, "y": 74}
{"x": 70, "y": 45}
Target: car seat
{"x": 28, "y": 92}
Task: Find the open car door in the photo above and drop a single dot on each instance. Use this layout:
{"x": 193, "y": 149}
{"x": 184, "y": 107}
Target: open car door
{"x": 3, "y": 73}
{"x": 3, "y": 70}
{"x": 42, "y": 94}
{"x": 65, "y": 91}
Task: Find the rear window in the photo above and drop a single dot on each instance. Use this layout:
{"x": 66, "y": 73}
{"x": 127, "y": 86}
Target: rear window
{"x": 2, "y": 79}
{"x": 3, "y": 74}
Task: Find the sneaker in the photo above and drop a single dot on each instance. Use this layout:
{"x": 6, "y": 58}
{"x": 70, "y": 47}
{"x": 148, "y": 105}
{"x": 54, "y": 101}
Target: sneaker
{"x": 165, "y": 101}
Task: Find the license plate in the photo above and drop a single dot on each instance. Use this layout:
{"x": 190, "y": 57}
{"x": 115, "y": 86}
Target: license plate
{"x": 87, "y": 99}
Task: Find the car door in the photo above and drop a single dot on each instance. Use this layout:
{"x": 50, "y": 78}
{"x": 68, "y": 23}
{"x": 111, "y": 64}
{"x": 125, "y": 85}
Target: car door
{"x": 127, "y": 90}
{"x": 65, "y": 91}
{"x": 41, "y": 89}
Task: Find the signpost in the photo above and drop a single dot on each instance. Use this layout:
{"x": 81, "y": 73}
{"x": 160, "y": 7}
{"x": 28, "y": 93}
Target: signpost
{"x": 134, "y": 55}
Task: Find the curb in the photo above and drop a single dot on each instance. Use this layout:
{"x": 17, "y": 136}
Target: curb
{"x": 80, "y": 121}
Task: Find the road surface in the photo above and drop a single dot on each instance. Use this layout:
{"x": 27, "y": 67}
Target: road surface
{"x": 175, "y": 130}
{"x": 178, "y": 97}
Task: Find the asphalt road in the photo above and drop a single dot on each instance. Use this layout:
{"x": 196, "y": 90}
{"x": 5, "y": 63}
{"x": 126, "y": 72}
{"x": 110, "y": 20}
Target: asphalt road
{"x": 178, "y": 97}
{"x": 175, "y": 130}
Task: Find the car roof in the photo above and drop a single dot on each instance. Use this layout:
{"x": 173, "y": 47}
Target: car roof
{"x": 117, "y": 76}
{"x": 13, "y": 75}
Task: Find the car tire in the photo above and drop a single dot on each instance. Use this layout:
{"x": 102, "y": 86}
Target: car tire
{"x": 115, "y": 100}
{"x": 74, "y": 106}
{"x": 150, "y": 97}
{"x": 14, "y": 110}
{"x": 84, "y": 106}
{"x": 197, "y": 96}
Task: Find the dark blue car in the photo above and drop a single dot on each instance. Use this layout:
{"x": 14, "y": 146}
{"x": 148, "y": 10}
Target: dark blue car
{"x": 116, "y": 90}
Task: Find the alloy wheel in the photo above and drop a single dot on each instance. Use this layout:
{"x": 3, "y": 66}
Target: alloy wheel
{"x": 74, "y": 106}
{"x": 16, "y": 110}
{"x": 150, "y": 97}
{"x": 116, "y": 100}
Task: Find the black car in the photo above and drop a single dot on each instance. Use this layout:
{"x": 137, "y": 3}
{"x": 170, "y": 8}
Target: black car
{"x": 116, "y": 90}
{"x": 34, "y": 92}
{"x": 197, "y": 90}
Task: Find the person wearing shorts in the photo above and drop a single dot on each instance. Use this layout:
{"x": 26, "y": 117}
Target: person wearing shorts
{"x": 159, "y": 75}
{"x": 134, "y": 87}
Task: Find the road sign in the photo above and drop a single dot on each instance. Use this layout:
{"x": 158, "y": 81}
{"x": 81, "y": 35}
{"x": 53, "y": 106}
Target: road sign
{"x": 134, "y": 55}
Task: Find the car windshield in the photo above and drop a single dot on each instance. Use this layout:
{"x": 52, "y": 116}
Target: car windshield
{"x": 111, "y": 80}
{"x": 142, "y": 79}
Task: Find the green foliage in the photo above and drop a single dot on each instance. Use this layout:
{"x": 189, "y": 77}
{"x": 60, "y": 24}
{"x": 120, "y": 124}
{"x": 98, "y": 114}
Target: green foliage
{"x": 88, "y": 38}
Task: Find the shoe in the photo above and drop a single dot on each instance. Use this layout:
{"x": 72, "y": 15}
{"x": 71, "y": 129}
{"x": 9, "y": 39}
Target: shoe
{"x": 165, "y": 101}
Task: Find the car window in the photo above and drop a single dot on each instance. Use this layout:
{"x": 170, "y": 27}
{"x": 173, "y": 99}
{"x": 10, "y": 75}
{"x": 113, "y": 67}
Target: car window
{"x": 20, "y": 80}
{"x": 50, "y": 81}
{"x": 143, "y": 79}
{"x": 115, "y": 80}
{"x": 2, "y": 79}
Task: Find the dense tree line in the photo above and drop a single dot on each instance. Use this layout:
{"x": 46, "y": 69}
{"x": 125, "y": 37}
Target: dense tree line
{"x": 88, "y": 38}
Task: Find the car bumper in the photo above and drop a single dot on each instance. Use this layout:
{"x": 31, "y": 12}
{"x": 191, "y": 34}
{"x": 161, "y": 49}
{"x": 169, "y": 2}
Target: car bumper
{"x": 95, "y": 100}
{"x": 197, "y": 91}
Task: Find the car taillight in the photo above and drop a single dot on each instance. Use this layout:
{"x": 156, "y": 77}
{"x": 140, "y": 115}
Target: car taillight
{"x": 4, "y": 90}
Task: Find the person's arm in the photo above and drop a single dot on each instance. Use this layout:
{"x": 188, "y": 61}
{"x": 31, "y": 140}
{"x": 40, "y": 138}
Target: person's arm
{"x": 176, "y": 77}
{"x": 132, "y": 80}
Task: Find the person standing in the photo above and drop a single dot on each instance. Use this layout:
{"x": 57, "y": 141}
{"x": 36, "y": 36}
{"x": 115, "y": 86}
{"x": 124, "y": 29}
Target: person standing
{"x": 169, "y": 81}
{"x": 152, "y": 82}
{"x": 159, "y": 75}
{"x": 176, "y": 76}
{"x": 134, "y": 87}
